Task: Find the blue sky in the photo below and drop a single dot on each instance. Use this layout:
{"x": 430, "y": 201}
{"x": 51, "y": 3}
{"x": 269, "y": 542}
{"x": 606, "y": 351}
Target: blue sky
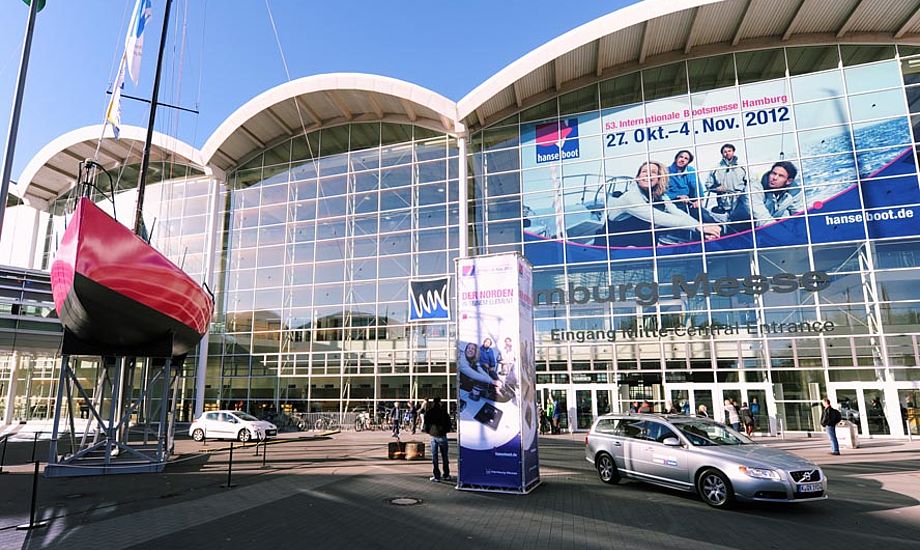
{"x": 230, "y": 54}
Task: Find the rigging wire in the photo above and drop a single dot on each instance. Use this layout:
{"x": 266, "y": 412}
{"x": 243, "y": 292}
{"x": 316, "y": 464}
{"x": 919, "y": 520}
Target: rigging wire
{"x": 287, "y": 72}
{"x": 204, "y": 26}
{"x": 114, "y": 67}
{"x": 9, "y": 58}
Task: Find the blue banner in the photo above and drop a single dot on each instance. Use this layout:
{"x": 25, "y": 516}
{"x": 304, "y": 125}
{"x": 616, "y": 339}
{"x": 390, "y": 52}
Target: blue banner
{"x": 777, "y": 163}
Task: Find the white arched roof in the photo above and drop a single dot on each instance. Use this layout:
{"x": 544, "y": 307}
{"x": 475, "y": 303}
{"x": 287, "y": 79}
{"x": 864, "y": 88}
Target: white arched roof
{"x": 659, "y": 31}
{"x": 53, "y": 170}
{"x": 320, "y": 101}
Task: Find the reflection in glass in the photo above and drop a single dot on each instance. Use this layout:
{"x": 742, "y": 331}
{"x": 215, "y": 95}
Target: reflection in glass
{"x": 665, "y": 81}
{"x": 809, "y": 59}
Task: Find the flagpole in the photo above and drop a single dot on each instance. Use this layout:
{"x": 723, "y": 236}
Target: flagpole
{"x": 145, "y": 162}
{"x": 17, "y": 108}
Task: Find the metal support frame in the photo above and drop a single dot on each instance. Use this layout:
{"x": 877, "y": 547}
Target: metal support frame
{"x": 106, "y": 445}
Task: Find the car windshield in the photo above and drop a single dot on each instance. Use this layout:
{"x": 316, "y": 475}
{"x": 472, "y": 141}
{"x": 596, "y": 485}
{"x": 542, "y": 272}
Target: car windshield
{"x": 245, "y": 416}
{"x": 703, "y": 433}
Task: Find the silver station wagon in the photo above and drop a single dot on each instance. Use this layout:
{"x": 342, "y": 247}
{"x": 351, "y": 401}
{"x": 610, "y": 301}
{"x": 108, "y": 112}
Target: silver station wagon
{"x": 699, "y": 454}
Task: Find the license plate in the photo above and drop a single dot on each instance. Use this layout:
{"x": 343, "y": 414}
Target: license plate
{"x": 271, "y": 432}
{"x": 809, "y": 488}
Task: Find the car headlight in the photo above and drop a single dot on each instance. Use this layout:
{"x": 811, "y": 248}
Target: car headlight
{"x": 760, "y": 473}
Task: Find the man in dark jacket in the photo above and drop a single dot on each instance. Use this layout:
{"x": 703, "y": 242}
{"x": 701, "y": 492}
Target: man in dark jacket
{"x": 829, "y": 419}
{"x": 437, "y": 425}
{"x": 396, "y": 418}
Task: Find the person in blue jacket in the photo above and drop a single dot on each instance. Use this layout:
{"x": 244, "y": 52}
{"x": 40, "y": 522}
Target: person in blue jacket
{"x": 488, "y": 358}
{"x": 683, "y": 186}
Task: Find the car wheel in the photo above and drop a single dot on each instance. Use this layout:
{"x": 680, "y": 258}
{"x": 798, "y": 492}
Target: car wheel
{"x": 244, "y": 435}
{"x": 607, "y": 469}
{"x": 715, "y": 489}
{"x": 198, "y": 435}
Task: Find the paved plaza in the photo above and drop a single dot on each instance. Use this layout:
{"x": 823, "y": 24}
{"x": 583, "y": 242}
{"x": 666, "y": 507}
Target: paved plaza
{"x": 335, "y": 491}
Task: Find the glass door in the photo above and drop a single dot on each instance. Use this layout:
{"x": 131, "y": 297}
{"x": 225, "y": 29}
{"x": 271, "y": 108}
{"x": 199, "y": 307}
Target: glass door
{"x": 578, "y": 405}
{"x": 556, "y": 399}
{"x": 591, "y": 402}
{"x": 876, "y": 409}
{"x": 757, "y": 400}
{"x": 909, "y": 399}
{"x": 709, "y": 399}
{"x": 695, "y": 399}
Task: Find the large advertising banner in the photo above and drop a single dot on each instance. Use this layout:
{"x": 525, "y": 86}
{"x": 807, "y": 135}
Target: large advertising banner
{"x": 497, "y": 416}
{"x": 815, "y": 158}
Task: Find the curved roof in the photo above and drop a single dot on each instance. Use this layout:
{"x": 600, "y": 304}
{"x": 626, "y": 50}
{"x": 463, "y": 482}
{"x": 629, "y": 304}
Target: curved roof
{"x": 659, "y": 31}
{"x": 319, "y": 101}
{"x": 53, "y": 170}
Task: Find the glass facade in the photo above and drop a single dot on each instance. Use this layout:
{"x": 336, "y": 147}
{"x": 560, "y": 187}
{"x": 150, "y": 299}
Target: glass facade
{"x": 739, "y": 226}
{"x": 321, "y": 236}
{"x": 782, "y": 162}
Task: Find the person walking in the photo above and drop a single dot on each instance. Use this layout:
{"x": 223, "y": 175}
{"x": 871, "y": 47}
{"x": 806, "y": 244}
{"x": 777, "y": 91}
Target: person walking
{"x": 731, "y": 415}
{"x": 829, "y": 419}
{"x": 747, "y": 418}
{"x": 413, "y": 416}
{"x": 703, "y": 411}
{"x": 557, "y": 416}
{"x": 396, "y": 418}
{"x": 437, "y": 425}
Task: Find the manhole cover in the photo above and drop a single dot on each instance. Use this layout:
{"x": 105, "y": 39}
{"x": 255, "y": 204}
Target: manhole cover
{"x": 405, "y": 501}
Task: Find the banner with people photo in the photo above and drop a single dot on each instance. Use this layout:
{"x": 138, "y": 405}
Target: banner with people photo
{"x": 497, "y": 416}
{"x": 823, "y": 157}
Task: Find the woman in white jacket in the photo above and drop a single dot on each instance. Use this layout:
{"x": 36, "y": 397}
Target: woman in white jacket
{"x": 632, "y": 214}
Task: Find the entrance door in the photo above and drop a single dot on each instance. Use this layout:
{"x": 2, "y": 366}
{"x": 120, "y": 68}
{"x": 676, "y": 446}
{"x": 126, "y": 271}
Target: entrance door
{"x": 710, "y": 398}
{"x": 579, "y": 404}
{"x": 876, "y": 409}
{"x": 590, "y": 402}
{"x": 559, "y": 397}
{"x": 694, "y": 399}
{"x": 909, "y": 400}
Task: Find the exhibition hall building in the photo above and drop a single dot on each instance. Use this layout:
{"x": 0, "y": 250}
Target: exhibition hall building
{"x": 719, "y": 200}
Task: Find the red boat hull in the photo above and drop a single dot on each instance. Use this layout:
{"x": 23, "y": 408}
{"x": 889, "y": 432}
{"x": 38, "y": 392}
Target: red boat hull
{"x": 114, "y": 291}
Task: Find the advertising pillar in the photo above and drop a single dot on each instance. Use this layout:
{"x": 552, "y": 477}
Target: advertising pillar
{"x": 496, "y": 396}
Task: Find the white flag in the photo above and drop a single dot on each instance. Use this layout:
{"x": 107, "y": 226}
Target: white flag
{"x": 134, "y": 42}
{"x": 113, "y": 111}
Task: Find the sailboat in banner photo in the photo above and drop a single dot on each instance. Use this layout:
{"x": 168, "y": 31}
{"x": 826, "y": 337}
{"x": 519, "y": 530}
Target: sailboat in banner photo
{"x": 114, "y": 293}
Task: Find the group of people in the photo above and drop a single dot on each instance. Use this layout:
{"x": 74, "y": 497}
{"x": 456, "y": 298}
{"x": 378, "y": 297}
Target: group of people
{"x": 407, "y": 416}
{"x": 551, "y": 417}
{"x": 488, "y": 372}
{"x": 682, "y": 209}
{"x": 743, "y": 417}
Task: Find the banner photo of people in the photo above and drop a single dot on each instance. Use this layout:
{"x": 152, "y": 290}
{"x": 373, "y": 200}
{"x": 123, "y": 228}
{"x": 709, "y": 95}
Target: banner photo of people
{"x": 813, "y": 158}
{"x": 497, "y": 416}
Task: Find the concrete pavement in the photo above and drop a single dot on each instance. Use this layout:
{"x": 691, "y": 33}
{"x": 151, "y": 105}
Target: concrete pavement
{"x": 331, "y": 492}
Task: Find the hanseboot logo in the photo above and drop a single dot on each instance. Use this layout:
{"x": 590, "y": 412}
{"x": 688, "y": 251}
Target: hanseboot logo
{"x": 428, "y": 299}
{"x": 557, "y": 140}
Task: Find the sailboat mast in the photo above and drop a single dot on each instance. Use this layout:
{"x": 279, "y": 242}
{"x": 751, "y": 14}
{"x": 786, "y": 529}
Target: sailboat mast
{"x": 145, "y": 160}
{"x": 17, "y": 110}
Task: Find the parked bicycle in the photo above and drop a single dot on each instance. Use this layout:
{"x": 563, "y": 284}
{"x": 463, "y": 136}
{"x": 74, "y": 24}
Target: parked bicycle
{"x": 324, "y": 423}
{"x": 363, "y": 421}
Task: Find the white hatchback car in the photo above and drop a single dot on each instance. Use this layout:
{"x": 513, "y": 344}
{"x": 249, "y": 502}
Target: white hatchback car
{"x": 231, "y": 425}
